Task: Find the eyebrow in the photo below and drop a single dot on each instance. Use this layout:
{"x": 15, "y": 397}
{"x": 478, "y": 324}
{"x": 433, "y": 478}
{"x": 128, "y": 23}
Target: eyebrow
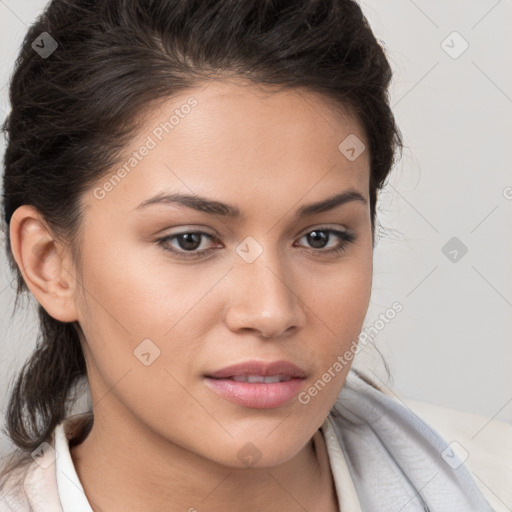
{"x": 213, "y": 207}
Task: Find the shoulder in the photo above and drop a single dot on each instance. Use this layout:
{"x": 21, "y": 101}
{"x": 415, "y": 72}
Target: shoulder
{"x": 31, "y": 484}
{"x": 483, "y": 444}
{"x": 464, "y": 456}
{"x": 12, "y": 495}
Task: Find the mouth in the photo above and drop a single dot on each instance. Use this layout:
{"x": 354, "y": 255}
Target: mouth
{"x": 256, "y": 384}
{"x": 260, "y": 378}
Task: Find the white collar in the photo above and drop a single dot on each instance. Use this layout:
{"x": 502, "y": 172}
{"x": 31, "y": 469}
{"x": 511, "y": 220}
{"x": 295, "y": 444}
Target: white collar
{"x": 345, "y": 490}
{"x": 71, "y": 492}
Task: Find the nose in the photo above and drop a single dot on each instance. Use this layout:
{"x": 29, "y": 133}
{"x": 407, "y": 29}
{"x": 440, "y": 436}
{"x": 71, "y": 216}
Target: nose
{"x": 264, "y": 299}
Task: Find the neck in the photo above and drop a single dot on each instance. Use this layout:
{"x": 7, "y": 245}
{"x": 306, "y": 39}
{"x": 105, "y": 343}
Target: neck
{"x": 135, "y": 469}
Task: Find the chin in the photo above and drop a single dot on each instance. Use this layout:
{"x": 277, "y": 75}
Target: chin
{"x": 250, "y": 451}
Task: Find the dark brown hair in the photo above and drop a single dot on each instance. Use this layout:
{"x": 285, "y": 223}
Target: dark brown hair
{"x": 74, "y": 110}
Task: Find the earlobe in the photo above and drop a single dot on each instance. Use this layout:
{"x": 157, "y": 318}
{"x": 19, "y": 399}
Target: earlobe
{"x": 43, "y": 263}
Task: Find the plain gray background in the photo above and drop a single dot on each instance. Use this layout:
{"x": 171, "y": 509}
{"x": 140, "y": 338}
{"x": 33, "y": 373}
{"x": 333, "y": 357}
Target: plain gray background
{"x": 452, "y": 97}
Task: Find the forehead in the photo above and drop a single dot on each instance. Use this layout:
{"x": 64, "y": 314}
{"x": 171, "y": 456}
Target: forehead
{"x": 236, "y": 139}
{"x": 248, "y": 113}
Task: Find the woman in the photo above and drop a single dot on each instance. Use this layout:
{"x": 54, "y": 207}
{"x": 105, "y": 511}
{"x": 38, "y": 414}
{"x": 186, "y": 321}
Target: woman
{"x": 190, "y": 193}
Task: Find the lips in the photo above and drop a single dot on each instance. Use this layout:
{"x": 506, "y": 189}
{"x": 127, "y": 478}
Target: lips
{"x": 259, "y": 368}
{"x": 256, "y": 384}
{"x": 260, "y": 378}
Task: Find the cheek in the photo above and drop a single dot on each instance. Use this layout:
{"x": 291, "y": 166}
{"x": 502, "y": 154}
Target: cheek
{"x": 340, "y": 299}
{"x": 136, "y": 314}
{"x": 134, "y": 291}
{"x": 346, "y": 300}
{"x": 142, "y": 302}
{"x": 338, "y": 307}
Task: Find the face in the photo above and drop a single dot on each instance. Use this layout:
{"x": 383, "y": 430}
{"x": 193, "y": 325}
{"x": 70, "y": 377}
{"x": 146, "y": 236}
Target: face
{"x": 174, "y": 294}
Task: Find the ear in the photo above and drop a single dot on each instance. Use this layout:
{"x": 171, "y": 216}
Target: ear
{"x": 45, "y": 264}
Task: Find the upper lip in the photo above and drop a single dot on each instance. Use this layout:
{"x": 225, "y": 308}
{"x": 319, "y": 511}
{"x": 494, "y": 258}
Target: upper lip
{"x": 263, "y": 368}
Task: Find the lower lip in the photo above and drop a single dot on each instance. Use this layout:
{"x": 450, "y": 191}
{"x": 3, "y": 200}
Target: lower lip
{"x": 256, "y": 395}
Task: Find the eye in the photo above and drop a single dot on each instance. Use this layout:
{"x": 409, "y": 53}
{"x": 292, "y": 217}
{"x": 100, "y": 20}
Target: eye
{"x": 188, "y": 242}
{"x": 319, "y": 238}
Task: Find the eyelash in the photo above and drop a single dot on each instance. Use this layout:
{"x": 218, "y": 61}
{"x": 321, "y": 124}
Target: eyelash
{"x": 347, "y": 238}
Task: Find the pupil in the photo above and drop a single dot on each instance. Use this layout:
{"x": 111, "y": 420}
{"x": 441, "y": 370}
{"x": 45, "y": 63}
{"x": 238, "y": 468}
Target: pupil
{"x": 318, "y": 239}
{"x": 189, "y": 241}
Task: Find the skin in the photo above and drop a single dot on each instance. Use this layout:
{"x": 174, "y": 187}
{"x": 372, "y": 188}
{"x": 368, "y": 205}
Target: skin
{"x": 162, "y": 440}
